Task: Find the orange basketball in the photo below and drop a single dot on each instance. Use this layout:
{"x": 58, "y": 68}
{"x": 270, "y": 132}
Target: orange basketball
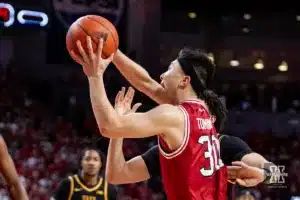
{"x": 96, "y": 27}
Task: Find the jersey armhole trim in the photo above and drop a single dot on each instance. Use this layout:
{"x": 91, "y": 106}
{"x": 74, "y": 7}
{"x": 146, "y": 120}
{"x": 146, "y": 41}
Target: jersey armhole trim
{"x": 185, "y": 137}
{"x": 105, "y": 190}
{"x": 71, "y": 188}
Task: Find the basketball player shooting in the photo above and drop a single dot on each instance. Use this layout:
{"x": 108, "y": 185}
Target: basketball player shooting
{"x": 10, "y": 175}
{"x": 186, "y": 134}
{"x": 141, "y": 168}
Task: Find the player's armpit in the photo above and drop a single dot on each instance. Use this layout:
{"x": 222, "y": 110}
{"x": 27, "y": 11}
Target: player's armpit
{"x": 10, "y": 174}
{"x": 158, "y": 121}
{"x": 140, "y": 78}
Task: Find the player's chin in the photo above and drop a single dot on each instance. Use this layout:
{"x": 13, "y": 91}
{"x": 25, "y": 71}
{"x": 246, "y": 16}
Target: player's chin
{"x": 92, "y": 172}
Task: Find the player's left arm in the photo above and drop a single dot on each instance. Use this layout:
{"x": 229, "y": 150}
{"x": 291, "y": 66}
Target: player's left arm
{"x": 134, "y": 125}
{"x": 8, "y": 170}
{"x": 235, "y": 149}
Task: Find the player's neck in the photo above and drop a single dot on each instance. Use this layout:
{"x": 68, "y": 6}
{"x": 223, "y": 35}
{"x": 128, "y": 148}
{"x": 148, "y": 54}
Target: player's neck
{"x": 186, "y": 95}
{"x": 89, "y": 180}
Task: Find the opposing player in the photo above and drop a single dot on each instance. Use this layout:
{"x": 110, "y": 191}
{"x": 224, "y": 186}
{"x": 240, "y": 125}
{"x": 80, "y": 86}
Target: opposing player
{"x": 88, "y": 184}
{"x": 140, "y": 168}
{"x": 187, "y": 137}
{"x": 9, "y": 173}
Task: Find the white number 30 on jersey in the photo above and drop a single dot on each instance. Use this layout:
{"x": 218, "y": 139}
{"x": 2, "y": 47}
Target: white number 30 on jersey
{"x": 212, "y": 154}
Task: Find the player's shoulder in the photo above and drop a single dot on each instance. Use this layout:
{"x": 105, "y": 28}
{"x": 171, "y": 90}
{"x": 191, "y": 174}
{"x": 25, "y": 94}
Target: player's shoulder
{"x": 167, "y": 111}
{"x": 67, "y": 180}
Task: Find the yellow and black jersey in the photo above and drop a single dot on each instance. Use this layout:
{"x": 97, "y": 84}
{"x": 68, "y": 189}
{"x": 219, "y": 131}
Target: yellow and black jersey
{"x": 73, "y": 188}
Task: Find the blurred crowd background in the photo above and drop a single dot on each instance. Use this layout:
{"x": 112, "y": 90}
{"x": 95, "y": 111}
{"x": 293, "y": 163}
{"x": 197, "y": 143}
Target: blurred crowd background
{"x": 45, "y": 112}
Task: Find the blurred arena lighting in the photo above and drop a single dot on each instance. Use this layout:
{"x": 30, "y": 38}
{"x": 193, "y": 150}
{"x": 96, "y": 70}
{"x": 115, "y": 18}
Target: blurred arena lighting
{"x": 7, "y": 9}
{"x": 283, "y": 67}
{"x": 259, "y": 65}
{"x": 192, "y": 15}
{"x": 234, "y": 63}
{"x": 246, "y": 30}
{"x": 298, "y": 18}
{"x": 247, "y": 16}
{"x": 211, "y": 56}
{"x": 42, "y": 17}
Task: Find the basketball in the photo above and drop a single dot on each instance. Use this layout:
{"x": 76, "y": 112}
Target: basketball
{"x": 96, "y": 27}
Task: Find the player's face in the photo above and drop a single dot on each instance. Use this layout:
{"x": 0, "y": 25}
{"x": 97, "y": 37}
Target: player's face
{"x": 91, "y": 162}
{"x": 174, "y": 79}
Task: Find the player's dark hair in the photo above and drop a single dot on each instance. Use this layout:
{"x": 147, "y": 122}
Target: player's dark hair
{"x": 91, "y": 144}
{"x": 201, "y": 69}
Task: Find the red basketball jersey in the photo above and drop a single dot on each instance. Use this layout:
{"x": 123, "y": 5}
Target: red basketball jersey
{"x": 195, "y": 170}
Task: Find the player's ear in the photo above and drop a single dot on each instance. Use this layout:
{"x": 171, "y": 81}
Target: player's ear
{"x": 184, "y": 82}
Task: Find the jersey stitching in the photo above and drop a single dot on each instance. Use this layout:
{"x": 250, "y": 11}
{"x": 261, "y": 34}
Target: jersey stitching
{"x": 185, "y": 140}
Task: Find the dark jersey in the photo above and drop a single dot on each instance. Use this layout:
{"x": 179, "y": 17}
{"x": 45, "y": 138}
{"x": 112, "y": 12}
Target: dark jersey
{"x": 232, "y": 149}
{"x": 73, "y": 188}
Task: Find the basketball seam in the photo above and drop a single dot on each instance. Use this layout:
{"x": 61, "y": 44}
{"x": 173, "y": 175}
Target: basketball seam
{"x": 112, "y": 35}
{"x": 81, "y": 27}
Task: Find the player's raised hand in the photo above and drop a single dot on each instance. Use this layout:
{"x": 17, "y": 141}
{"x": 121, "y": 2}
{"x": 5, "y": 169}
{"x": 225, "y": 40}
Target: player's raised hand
{"x": 123, "y": 102}
{"x": 92, "y": 62}
{"x": 245, "y": 175}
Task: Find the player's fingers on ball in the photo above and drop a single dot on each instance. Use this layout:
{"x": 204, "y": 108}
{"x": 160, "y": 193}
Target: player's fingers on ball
{"x": 82, "y": 52}
{"x": 110, "y": 58}
{"x": 90, "y": 47}
{"x": 100, "y": 48}
{"x": 77, "y": 58}
{"x": 135, "y": 107}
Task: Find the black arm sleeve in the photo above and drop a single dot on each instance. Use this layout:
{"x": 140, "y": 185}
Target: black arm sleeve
{"x": 151, "y": 158}
{"x": 62, "y": 191}
{"x": 112, "y": 191}
{"x": 232, "y": 149}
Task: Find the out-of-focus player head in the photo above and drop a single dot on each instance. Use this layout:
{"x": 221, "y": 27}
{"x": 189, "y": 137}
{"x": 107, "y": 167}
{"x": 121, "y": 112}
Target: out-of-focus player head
{"x": 191, "y": 75}
{"x": 91, "y": 162}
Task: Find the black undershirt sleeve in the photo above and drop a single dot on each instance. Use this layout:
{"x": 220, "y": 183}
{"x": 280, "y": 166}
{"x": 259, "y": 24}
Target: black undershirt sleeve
{"x": 112, "y": 191}
{"x": 151, "y": 158}
{"x": 232, "y": 149}
{"x": 63, "y": 190}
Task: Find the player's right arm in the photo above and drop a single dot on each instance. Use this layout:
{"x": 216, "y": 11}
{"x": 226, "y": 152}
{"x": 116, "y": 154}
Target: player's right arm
{"x": 137, "y": 169}
{"x": 120, "y": 171}
{"x": 63, "y": 191}
{"x": 139, "y": 78}
{"x": 9, "y": 173}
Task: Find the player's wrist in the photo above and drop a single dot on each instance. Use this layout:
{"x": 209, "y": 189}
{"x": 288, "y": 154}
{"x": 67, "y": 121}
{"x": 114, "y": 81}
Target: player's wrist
{"x": 95, "y": 77}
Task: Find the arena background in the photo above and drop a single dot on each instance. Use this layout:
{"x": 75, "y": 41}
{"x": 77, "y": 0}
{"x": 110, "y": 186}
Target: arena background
{"x": 45, "y": 110}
